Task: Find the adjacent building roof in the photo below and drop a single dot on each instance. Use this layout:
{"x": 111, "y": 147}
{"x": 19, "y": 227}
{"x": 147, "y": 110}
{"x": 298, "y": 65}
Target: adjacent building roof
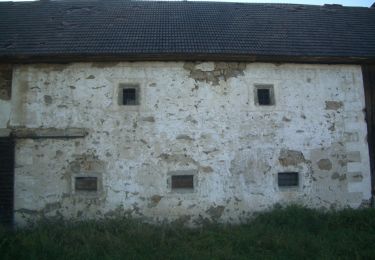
{"x": 148, "y": 30}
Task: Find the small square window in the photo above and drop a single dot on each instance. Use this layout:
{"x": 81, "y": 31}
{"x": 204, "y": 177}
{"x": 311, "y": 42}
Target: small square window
{"x": 182, "y": 182}
{"x": 128, "y": 95}
{"x": 86, "y": 183}
{"x": 264, "y": 95}
{"x": 287, "y": 179}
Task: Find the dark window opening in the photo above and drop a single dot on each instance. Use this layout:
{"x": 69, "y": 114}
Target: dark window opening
{"x": 86, "y": 183}
{"x": 264, "y": 96}
{"x": 5, "y": 82}
{"x": 287, "y": 179}
{"x": 129, "y": 96}
{"x": 6, "y": 181}
{"x": 182, "y": 182}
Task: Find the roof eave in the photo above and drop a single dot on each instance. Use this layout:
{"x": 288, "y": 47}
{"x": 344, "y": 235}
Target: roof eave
{"x": 70, "y": 58}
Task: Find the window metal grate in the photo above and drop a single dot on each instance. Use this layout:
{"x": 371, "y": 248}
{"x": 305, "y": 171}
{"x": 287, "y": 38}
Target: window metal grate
{"x": 129, "y": 96}
{"x": 264, "y": 96}
{"x": 182, "y": 181}
{"x": 86, "y": 183}
{"x": 287, "y": 179}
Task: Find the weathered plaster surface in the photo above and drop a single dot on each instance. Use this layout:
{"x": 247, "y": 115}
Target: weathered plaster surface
{"x": 199, "y": 119}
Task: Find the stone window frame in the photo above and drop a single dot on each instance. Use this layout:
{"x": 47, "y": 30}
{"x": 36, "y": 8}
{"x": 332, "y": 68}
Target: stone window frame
{"x": 117, "y": 87}
{"x": 271, "y": 88}
{"x": 96, "y": 193}
{"x": 120, "y": 92}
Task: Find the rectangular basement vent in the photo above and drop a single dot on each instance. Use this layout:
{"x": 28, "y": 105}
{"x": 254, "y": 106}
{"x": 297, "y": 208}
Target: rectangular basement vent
{"x": 287, "y": 179}
{"x": 86, "y": 183}
{"x": 182, "y": 182}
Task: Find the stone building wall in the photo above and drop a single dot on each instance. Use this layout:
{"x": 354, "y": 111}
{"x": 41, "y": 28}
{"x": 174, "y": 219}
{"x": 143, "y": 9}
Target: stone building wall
{"x": 199, "y": 119}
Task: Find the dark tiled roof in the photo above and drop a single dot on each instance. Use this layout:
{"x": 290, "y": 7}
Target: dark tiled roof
{"x": 183, "y": 30}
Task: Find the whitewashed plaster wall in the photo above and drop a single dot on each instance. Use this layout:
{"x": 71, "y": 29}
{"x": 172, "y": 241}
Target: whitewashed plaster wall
{"x": 197, "y": 118}
{"x": 5, "y": 113}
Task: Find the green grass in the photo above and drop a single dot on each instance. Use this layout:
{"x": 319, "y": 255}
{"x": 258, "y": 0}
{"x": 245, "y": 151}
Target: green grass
{"x": 291, "y": 233}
